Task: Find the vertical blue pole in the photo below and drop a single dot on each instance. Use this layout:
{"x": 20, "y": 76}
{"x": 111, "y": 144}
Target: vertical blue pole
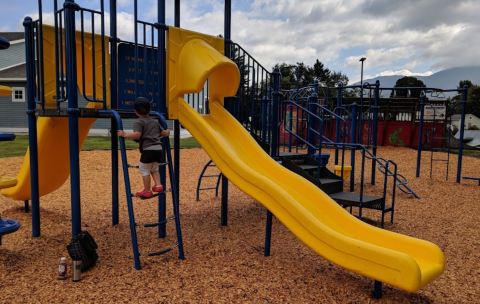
{"x": 32, "y": 126}
{"x": 276, "y": 93}
{"x": 420, "y": 135}
{"x": 227, "y": 102}
{"x": 162, "y": 106}
{"x": 176, "y": 124}
{"x": 352, "y": 149}
{"x": 339, "y": 113}
{"x": 73, "y": 113}
{"x": 264, "y": 117}
{"x": 462, "y": 130}
{"x": 114, "y": 105}
{"x": 252, "y": 108}
{"x": 311, "y": 124}
{"x": 268, "y": 234}
{"x": 375, "y": 128}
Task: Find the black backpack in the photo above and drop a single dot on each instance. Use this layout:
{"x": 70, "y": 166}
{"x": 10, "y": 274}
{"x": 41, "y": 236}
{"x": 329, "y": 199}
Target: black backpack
{"x": 83, "y": 247}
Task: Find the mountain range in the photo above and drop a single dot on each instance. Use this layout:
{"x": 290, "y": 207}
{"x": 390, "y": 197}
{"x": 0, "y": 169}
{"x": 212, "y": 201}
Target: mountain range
{"x": 445, "y": 79}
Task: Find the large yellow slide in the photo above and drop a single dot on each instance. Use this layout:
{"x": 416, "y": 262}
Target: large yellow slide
{"x": 318, "y": 221}
{"x": 52, "y": 132}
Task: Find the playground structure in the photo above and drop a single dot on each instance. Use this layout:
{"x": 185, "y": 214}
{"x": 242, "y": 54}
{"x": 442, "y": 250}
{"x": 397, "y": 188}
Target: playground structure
{"x": 191, "y": 60}
{"x": 7, "y": 226}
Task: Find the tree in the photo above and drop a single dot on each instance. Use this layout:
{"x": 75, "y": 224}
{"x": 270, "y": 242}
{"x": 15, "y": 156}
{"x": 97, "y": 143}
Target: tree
{"x": 408, "y": 81}
{"x": 473, "y": 98}
{"x": 321, "y": 73}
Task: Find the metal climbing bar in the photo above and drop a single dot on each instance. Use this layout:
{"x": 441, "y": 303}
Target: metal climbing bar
{"x": 202, "y": 175}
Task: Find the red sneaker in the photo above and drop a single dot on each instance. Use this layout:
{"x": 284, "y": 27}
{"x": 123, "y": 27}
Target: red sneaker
{"x": 158, "y": 188}
{"x": 144, "y": 194}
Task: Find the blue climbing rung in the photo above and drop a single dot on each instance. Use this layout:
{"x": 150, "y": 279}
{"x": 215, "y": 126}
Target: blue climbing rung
{"x": 159, "y": 223}
{"x": 472, "y": 178}
{"x": 163, "y": 251}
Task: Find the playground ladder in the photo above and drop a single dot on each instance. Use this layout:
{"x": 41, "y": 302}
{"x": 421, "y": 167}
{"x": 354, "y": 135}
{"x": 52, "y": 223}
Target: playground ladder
{"x": 435, "y": 151}
{"x": 202, "y": 175}
{"x": 175, "y": 217}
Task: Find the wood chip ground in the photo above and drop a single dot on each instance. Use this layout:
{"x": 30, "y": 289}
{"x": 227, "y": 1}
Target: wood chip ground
{"x": 226, "y": 264}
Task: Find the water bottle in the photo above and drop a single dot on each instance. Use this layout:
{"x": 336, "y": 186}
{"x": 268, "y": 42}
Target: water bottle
{"x": 62, "y": 269}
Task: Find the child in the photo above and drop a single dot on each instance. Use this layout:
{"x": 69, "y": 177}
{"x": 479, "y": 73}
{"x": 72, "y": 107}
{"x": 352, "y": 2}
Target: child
{"x": 148, "y": 130}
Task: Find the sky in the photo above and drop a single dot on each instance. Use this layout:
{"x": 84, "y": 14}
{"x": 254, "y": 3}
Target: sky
{"x": 408, "y": 37}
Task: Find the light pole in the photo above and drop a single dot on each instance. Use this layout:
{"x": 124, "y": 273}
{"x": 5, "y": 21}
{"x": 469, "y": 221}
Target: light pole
{"x": 361, "y": 77}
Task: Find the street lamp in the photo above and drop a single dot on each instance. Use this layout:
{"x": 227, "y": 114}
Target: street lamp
{"x": 361, "y": 77}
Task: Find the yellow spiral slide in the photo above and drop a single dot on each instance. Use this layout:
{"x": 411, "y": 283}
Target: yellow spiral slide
{"x": 404, "y": 262}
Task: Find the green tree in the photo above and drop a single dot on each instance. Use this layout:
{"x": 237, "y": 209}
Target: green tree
{"x": 321, "y": 73}
{"x": 408, "y": 81}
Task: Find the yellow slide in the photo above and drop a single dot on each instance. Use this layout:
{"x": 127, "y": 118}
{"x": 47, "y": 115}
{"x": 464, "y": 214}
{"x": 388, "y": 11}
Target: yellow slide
{"x": 395, "y": 259}
{"x": 52, "y": 132}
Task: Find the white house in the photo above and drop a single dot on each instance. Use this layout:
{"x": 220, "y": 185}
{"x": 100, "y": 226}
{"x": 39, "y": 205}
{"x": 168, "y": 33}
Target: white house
{"x": 470, "y": 121}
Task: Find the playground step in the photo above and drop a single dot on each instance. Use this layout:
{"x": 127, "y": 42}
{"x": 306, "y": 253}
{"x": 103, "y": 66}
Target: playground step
{"x": 150, "y": 225}
{"x": 330, "y": 186}
{"x": 353, "y": 199}
{"x": 163, "y": 251}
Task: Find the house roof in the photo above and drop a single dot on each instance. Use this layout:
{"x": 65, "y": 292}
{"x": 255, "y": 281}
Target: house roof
{"x": 18, "y": 71}
{"x": 12, "y": 36}
{"x": 458, "y": 116}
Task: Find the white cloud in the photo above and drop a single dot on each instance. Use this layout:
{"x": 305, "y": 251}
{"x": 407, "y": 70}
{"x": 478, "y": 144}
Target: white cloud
{"x": 395, "y": 36}
{"x": 403, "y": 73}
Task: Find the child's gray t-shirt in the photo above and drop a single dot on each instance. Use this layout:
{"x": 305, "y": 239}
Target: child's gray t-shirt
{"x": 150, "y": 130}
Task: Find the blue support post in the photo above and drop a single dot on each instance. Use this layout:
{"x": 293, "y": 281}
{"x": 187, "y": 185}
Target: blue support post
{"x": 264, "y": 117}
{"x": 375, "y": 128}
{"x": 114, "y": 105}
{"x": 276, "y": 93}
{"x": 32, "y": 127}
{"x": 268, "y": 234}
{"x": 420, "y": 135}
{"x": 352, "y": 149}
{"x": 176, "y": 123}
{"x": 311, "y": 124}
{"x": 377, "y": 290}
{"x": 162, "y": 199}
{"x": 462, "y": 131}
{"x": 73, "y": 113}
{"x": 114, "y": 155}
{"x": 227, "y": 35}
{"x": 252, "y": 107}
{"x": 339, "y": 113}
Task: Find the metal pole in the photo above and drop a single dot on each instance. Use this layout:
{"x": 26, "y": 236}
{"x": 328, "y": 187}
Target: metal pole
{"x": 352, "y": 149}
{"x": 375, "y": 128}
{"x": 462, "y": 130}
{"x": 420, "y": 135}
{"x": 114, "y": 105}
{"x": 227, "y": 103}
{"x": 73, "y": 113}
{"x": 276, "y": 93}
{"x": 32, "y": 127}
{"x": 162, "y": 199}
{"x": 339, "y": 113}
{"x": 176, "y": 123}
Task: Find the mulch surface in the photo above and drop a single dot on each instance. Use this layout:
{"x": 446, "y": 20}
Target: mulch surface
{"x": 225, "y": 264}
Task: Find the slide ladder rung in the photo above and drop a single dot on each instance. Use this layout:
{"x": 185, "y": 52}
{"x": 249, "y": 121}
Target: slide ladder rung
{"x": 157, "y": 224}
{"x": 211, "y": 188}
{"x": 438, "y": 159}
{"x": 163, "y": 251}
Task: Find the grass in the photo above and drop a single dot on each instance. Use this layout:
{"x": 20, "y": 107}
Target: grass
{"x": 18, "y": 147}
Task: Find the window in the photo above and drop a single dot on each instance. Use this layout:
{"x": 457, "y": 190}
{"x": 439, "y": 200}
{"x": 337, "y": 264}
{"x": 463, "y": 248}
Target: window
{"x": 18, "y": 94}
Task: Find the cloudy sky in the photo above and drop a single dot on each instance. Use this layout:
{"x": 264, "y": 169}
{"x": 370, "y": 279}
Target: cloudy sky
{"x": 408, "y": 37}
